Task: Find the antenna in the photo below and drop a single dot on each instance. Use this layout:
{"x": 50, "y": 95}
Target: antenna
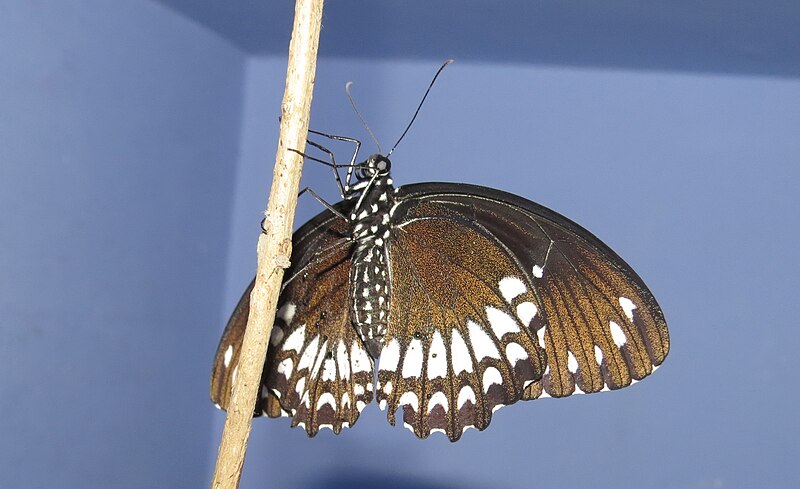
{"x": 358, "y": 113}
{"x": 449, "y": 61}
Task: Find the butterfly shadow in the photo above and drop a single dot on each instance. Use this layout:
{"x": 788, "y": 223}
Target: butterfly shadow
{"x": 347, "y": 480}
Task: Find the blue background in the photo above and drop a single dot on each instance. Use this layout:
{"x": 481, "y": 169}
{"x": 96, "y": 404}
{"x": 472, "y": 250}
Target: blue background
{"x": 136, "y": 143}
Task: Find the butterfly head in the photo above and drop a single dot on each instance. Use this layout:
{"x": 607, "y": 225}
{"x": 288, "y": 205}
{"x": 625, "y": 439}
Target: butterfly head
{"x": 376, "y": 166}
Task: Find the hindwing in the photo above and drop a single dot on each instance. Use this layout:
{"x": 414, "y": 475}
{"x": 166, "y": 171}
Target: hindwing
{"x": 317, "y": 370}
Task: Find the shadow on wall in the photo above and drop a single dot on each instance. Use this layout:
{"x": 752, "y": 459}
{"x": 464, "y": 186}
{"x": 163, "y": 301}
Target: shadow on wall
{"x": 348, "y": 480}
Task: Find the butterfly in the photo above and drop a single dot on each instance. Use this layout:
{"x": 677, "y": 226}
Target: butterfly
{"x": 447, "y": 300}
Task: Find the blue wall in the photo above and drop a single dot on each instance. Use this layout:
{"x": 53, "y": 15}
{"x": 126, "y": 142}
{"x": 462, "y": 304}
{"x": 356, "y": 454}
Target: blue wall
{"x": 119, "y": 126}
{"x": 135, "y": 154}
{"x": 690, "y": 178}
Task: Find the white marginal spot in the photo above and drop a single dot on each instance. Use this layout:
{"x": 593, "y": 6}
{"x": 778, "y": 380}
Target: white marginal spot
{"x": 537, "y": 271}
{"x": 572, "y": 363}
{"x": 540, "y": 334}
{"x": 459, "y": 354}
{"x": 491, "y": 376}
{"x": 466, "y": 394}
{"x": 301, "y": 425}
{"x": 390, "y": 355}
{"x": 527, "y": 383}
{"x": 605, "y": 388}
{"x": 329, "y": 370}
{"x": 598, "y": 355}
{"x": 411, "y": 428}
{"x": 359, "y": 358}
{"x": 309, "y": 354}
{"x": 286, "y": 312}
{"x": 295, "y": 340}
{"x": 343, "y": 359}
{"x": 345, "y": 424}
{"x": 464, "y": 429}
{"x": 387, "y": 388}
{"x": 382, "y": 404}
{"x": 497, "y": 406}
{"x": 511, "y": 287}
{"x": 438, "y": 430}
{"x": 233, "y": 375}
{"x": 358, "y": 390}
{"x": 501, "y": 322}
{"x": 326, "y": 398}
{"x": 329, "y": 426}
{"x": 437, "y": 358}
{"x": 286, "y": 367}
{"x": 617, "y": 334}
{"x": 226, "y": 360}
{"x": 482, "y": 345}
{"x": 345, "y": 400}
{"x": 628, "y": 306}
{"x": 409, "y": 398}
{"x": 217, "y": 406}
{"x": 526, "y": 311}
{"x": 578, "y": 390}
{"x": 544, "y": 394}
{"x": 412, "y": 366}
{"x": 360, "y": 405}
{"x": 300, "y": 387}
{"x": 437, "y": 399}
{"x": 633, "y": 381}
{"x": 515, "y": 353}
{"x": 304, "y": 399}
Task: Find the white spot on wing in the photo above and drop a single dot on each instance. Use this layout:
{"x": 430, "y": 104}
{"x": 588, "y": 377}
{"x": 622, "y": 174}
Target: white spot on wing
{"x": 482, "y": 345}
{"x": 286, "y": 367}
{"x": 491, "y": 376}
{"x": 390, "y": 355}
{"x": 460, "y": 356}
{"x": 466, "y": 394}
{"x": 572, "y": 362}
{"x": 617, "y": 334}
{"x": 412, "y": 366}
{"x": 537, "y": 271}
{"x": 526, "y": 312}
{"x": 598, "y": 355}
{"x": 286, "y": 312}
{"x": 343, "y": 360}
{"x": 329, "y": 370}
{"x": 295, "y": 340}
{"x": 511, "y": 287}
{"x": 410, "y": 399}
{"x": 628, "y": 306}
{"x": 515, "y": 353}
{"x": 360, "y": 360}
{"x": 276, "y": 336}
{"x": 382, "y": 405}
{"x": 540, "y": 334}
{"x": 387, "y": 388}
{"x": 309, "y": 354}
{"x": 438, "y": 398}
{"x": 300, "y": 387}
{"x": 226, "y": 360}
{"x": 326, "y": 398}
{"x": 345, "y": 400}
{"x": 501, "y": 322}
{"x": 437, "y": 359}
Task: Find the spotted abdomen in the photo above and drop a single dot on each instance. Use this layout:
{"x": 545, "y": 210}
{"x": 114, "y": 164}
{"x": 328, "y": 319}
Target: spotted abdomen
{"x": 370, "y": 291}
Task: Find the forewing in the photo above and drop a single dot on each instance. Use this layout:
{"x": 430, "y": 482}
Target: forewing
{"x": 461, "y": 338}
{"x": 317, "y": 371}
{"x": 603, "y": 327}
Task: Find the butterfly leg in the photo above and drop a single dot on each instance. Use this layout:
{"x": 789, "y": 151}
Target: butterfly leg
{"x": 352, "y": 164}
{"x": 323, "y": 202}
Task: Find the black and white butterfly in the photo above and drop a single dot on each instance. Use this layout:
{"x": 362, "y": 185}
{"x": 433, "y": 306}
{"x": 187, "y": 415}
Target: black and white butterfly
{"x": 466, "y": 298}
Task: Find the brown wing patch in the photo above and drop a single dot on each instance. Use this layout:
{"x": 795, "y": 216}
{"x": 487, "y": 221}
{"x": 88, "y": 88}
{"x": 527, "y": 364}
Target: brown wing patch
{"x": 604, "y": 331}
{"x": 461, "y": 339}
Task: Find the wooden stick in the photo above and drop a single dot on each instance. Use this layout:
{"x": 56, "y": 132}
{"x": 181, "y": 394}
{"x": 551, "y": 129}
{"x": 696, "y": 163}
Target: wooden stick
{"x": 274, "y": 246}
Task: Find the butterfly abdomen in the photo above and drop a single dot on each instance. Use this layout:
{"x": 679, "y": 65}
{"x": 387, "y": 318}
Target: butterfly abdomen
{"x": 370, "y": 288}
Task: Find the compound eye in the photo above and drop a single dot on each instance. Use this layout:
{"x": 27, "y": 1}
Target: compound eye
{"x": 383, "y": 164}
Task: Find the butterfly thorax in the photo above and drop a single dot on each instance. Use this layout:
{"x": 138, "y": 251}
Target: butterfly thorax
{"x": 370, "y": 286}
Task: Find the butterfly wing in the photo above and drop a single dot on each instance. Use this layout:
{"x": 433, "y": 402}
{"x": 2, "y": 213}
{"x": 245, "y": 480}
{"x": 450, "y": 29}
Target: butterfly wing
{"x": 317, "y": 370}
{"x": 483, "y": 264}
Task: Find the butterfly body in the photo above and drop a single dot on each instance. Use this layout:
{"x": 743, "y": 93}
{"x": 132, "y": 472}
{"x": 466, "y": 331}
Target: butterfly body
{"x": 469, "y": 298}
